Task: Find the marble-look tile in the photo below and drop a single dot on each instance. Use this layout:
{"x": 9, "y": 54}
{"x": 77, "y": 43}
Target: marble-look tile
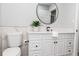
{"x": 5, "y": 30}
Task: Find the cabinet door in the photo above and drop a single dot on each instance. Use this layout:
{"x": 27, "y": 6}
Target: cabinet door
{"x": 47, "y": 48}
{"x": 53, "y": 48}
{"x": 35, "y": 48}
{"x": 35, "y": 53}
{"x": 34, "y": 45}
{"x": 59, "y": 47}
{"x": 68, "y": 46}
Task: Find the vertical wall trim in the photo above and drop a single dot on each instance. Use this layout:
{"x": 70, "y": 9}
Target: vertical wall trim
{"x": 75, "y": 52}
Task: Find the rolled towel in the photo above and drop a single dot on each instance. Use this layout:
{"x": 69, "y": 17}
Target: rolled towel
{"x": 54, "y": 34}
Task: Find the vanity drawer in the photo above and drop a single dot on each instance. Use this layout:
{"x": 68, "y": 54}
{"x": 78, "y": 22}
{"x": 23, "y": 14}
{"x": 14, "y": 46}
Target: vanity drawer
{"x": 69, "y": 46}
{"x": 34, "y": 37}
{"x": 69, "y": 51}
{"x": 34, "y": 53}
{"x": 47, "y": 37}
{"x": 66, "y": 35}
{"x": 68, "y": 42}
{"x": 34, "y": 45}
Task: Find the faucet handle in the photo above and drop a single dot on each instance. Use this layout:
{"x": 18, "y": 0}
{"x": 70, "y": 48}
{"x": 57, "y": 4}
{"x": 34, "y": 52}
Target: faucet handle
{"x": 51, "y": 30}
{"x": 48, "y": 27}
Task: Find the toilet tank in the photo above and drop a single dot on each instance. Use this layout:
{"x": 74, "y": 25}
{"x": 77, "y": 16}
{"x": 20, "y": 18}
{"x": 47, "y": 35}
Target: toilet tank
{"x": 14, "y": 39}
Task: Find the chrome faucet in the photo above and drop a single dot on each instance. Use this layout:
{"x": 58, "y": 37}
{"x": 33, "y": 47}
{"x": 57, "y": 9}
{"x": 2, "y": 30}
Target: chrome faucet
{"x": 48, "y": 28}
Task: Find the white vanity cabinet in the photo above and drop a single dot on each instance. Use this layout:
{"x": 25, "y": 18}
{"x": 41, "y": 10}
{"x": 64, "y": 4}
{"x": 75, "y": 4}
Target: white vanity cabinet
{"x": 47, "y": 45}
{"x": 34, "y": 44}
{"x": 43, "y": 44}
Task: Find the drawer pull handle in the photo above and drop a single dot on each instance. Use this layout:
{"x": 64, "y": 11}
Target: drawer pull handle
{"x": 69, "y": 42}
{"x": 76, "y": 30}
{"x": 55, "y": 42}
{"x": 26, "y": 41}
{"x": 36, "y": 45}
{"x": 69, "y": 50}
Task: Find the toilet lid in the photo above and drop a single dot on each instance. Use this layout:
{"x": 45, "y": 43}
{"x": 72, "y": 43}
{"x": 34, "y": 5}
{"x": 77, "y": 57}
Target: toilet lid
{"x": 12, "y": 51}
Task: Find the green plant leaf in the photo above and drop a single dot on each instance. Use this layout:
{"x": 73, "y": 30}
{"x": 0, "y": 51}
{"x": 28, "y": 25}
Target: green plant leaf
{"x": 35, "y": 23}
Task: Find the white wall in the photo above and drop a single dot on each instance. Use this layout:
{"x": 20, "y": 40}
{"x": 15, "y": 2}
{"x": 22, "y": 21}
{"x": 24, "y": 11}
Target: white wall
{"x": 14, "y": 14}
{"x": 0, "y": 14}
{"x": 66, "y": 15}
{"x": 23, "y": 14}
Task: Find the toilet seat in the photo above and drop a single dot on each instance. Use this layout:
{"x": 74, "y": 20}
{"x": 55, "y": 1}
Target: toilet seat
{"x": 14, "y": 51}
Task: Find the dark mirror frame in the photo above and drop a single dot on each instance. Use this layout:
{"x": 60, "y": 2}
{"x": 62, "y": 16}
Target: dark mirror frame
{"x": 39, "y": 17}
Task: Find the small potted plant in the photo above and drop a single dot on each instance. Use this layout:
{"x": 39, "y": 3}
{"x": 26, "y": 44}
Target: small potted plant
{"x": 35, "y": 25}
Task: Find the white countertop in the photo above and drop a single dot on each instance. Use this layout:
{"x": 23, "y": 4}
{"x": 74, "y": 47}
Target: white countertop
{"x": 59, "y": 30}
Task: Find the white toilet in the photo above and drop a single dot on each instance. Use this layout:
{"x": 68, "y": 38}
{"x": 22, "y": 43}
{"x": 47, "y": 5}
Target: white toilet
{"x": 14, "y": 41}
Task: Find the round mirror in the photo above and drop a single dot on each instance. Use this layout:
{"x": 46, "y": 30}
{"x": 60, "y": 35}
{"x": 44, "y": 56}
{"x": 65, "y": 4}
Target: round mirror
{"x": 47, "y": 13}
